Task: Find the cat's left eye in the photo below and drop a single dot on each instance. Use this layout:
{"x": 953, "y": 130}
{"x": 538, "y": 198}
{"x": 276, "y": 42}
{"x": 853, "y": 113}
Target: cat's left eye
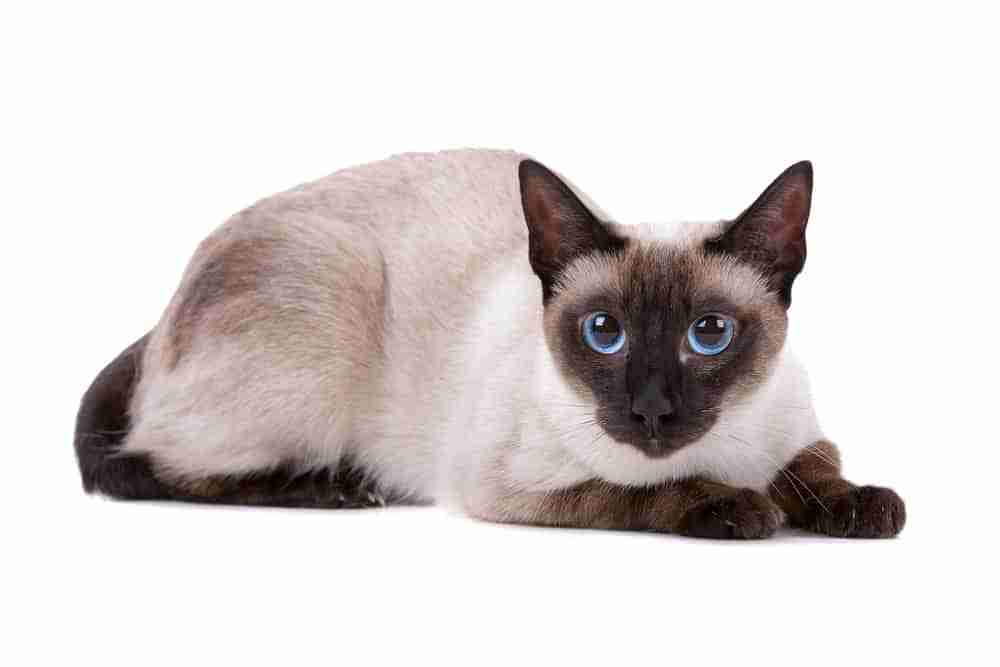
{"x": 711, "y": 334}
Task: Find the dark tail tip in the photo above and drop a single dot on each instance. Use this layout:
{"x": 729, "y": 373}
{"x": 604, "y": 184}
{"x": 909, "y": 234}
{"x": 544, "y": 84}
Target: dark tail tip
{"x": 102, "y": 424}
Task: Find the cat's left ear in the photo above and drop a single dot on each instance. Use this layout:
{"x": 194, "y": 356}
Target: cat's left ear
{"x": 771, "y": 234}
{"x": 560, "y": 226}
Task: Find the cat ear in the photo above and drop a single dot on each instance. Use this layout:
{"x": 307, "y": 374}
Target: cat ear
{"x": 560, "y": 226}
{"x": 771, "y": 234}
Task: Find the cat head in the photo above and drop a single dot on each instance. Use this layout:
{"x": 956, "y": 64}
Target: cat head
{"x": 661, "y": 334}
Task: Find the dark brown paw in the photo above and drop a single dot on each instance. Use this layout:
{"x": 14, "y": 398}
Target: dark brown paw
{"x": 360, "y": 498}
{"x": 744, "y": 515}
{"x": 866, "y": 511}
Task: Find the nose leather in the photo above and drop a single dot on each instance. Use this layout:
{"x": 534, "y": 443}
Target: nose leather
{"x": 651, "y": 405}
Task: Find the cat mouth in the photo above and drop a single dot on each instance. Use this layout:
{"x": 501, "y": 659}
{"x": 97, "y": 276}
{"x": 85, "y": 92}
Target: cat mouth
{"x": 655, "y": 447}
{"x": 664, "y": 441}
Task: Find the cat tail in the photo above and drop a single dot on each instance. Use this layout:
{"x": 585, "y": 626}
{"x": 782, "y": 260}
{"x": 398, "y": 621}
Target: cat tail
{"x": 101, "y": 426}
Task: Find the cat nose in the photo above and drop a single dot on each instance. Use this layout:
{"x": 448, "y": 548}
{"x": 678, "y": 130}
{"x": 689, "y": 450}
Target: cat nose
{"x": 652, "y": 408}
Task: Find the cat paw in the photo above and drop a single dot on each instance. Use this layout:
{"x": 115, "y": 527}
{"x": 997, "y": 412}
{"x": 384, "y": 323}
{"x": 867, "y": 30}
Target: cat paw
{"x": 866, "y": 511}
{"x": 347, "y": 497}
{"x": 745, "y": 514}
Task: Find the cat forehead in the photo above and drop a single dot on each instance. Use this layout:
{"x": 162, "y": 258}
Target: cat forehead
{"x": 662, "y": 264}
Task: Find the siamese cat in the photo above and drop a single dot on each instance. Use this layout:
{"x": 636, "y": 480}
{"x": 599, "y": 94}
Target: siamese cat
{"x": 467, "y": 327}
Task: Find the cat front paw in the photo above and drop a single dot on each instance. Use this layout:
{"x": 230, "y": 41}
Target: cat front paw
{"x": 865, "y": 511}
{"x": 745, "y": 515}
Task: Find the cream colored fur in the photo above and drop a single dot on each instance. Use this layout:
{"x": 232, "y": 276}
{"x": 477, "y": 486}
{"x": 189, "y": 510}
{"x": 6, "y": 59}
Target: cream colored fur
{"x": 406, "y": 333}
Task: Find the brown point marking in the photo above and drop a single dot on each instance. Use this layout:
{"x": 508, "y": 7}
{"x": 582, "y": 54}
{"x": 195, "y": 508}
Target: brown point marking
{"x": 816, "y": 497}
{"x": 339, "y": 487}
{"x": 692, "y": 507}
{"x": 656, "y": 291}
{"x": 235, "y": 268}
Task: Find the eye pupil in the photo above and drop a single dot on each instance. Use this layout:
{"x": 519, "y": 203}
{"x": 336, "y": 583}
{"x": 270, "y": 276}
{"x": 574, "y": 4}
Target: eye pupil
{"x": 606, "y": 329}
{"x": 603, "y": 333}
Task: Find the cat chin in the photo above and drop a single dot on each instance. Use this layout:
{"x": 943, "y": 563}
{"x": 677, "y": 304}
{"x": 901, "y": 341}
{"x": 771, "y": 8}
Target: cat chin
{"x": 709, "y": 457}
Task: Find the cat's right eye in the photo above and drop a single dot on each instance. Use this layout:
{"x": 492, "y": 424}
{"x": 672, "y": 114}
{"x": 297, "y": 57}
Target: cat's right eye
{"x": 602, "y": 333}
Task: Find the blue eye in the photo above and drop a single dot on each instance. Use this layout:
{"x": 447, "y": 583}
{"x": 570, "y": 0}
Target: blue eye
{"x": 711, "y": 334}
{"x": 602, "y": 333}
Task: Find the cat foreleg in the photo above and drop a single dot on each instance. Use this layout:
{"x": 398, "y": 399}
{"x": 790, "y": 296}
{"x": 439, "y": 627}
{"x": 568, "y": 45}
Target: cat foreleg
{"x": 692, "y": 507}
{"x": 817, "y": 498}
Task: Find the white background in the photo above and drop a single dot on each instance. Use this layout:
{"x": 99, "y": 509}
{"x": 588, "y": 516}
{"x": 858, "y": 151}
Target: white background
{"x": 128, "y": 133}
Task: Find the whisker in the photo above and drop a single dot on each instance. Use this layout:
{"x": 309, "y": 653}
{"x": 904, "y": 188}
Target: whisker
{"x": 562, "y": 433}
{"x": 822, "y": 457}
{"x": 762, "y": 466}
{"x": 780, "y": 468}
{"x": 825, "y": 509}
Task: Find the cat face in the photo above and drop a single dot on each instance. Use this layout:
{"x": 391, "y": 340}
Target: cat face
{"x": 661, "y": 335}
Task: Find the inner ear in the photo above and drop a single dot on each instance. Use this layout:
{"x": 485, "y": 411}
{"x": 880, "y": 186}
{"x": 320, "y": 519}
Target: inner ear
{"x": 560, "y": 226}
{"x": 771, "y": 233}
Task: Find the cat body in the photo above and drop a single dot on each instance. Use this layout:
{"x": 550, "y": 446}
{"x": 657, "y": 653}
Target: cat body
{"x": 380, "y": 335}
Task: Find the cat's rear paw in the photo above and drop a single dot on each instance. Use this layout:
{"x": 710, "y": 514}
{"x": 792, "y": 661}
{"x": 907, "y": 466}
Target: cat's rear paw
{"x": 866, "y": 511}
{"x": 745, "y": 514}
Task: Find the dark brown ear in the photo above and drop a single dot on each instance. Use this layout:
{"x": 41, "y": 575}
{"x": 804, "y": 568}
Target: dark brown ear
{"x": 560, "y": 226}
{"x": 771, "y": 234}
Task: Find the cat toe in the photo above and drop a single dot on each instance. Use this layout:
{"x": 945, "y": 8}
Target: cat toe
{"x": 743, "y": 515}
{"x": 864, "y": 512}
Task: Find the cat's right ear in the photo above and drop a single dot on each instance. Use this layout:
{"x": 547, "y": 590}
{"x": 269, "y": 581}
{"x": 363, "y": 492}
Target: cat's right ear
{"x": 560, "y": 226}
